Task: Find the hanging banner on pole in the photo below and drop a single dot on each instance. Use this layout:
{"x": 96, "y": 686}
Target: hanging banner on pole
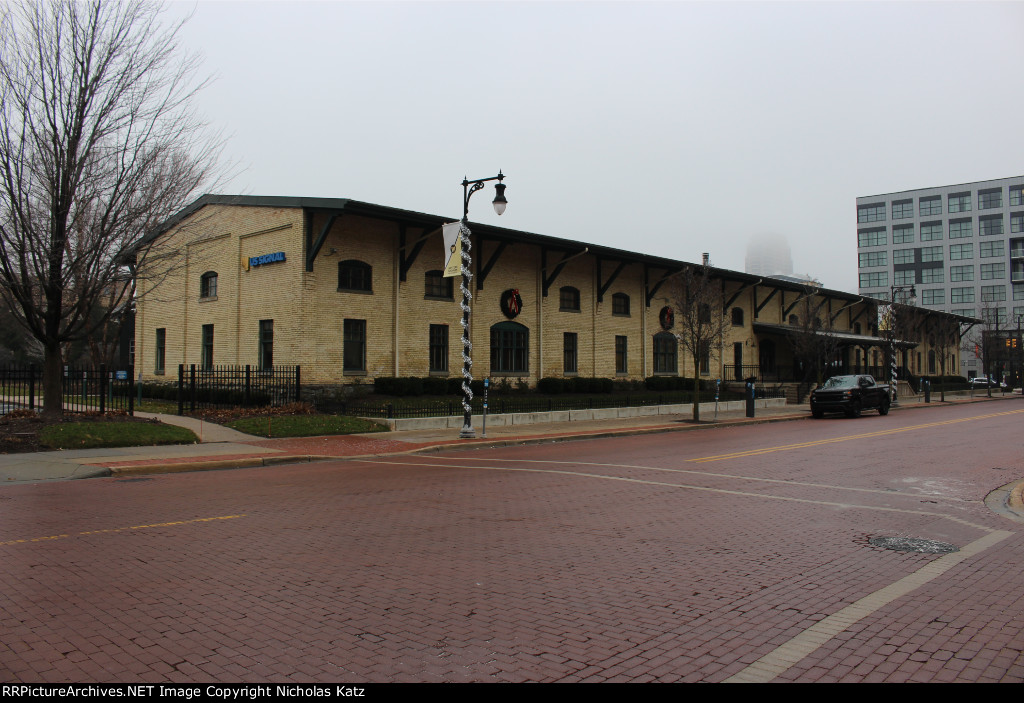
{"x": 452, "y": 249}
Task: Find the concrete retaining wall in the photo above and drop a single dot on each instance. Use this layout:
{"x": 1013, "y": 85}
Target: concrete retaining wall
{"x": 507, "y": 419}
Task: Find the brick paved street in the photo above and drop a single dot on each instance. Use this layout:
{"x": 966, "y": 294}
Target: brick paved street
{"x": 738, "y": 552}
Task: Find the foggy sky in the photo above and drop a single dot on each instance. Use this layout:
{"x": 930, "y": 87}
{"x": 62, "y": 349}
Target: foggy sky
{"x": 668, "y": 128}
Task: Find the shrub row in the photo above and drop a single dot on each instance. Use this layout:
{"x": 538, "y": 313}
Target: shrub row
{"x": 415, "y": 386}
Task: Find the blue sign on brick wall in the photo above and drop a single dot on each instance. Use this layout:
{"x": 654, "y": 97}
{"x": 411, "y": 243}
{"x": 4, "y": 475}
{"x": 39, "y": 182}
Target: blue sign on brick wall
{"x": 266, "y": 259}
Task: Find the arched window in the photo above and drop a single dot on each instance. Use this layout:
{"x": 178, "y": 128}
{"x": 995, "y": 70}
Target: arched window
{"x": 737, "y": 317}
{"x": 856, "y": 328}
{"x": 794, "y": 320}
{"x": 355, "y": 276}
{"x": 438, "y": 287}
{"x": 510, "y": 348}
{"x": 620, "y": 304}
{"x": 208, "y": 285}
{"x": 666, "y": 353}
{"x": 569, "y": 299}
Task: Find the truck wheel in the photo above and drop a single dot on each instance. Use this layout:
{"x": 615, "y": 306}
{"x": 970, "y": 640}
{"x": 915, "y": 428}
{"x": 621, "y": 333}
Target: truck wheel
{"x": 854, "y": 410}
{"x": 883, "y": 409}
{"x": 817, "y": 414}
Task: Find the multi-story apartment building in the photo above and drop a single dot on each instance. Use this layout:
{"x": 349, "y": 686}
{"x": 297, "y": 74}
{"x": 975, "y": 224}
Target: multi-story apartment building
{"x": 961, "y": 248}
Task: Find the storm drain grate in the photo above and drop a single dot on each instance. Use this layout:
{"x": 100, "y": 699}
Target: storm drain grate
{"x": 913, "y": 544}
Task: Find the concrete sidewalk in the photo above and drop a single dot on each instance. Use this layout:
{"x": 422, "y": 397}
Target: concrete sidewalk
{"x": 223, "y": 448}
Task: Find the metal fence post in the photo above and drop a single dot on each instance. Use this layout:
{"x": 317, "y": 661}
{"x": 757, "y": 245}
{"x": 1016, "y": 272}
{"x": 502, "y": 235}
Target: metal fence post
{"x": 298, "y": 384}
{"x": 181, "y": 382}
{"x": 32, "y": 387}
{"x": 103, "y": 388}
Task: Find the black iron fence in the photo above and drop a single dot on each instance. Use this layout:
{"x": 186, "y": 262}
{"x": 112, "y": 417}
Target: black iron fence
{"x": 84, "y": 389}
{"x": 452, "y": 407}
{"x": 221, "y": 387}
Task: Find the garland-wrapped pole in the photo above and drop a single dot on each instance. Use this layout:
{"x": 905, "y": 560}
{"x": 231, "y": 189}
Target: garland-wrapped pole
{"x": 468, "y": 188}
{"x": 467, "y": 431}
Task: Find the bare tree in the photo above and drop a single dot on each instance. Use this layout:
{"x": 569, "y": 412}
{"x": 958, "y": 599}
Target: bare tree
{"x": 699, "y": 303}
{"x": 943, "y": 335}
{"x": 815, "y": 343}
{"x": 99, "y": 144}
{"x": 985, "y": 340}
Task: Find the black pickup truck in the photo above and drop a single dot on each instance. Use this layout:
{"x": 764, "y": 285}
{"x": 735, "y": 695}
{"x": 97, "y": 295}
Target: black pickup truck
{"x": 850, "y": 395}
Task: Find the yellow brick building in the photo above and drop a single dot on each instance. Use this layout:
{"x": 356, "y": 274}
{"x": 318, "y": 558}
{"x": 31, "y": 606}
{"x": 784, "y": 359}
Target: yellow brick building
{"x": 351, "y": 291}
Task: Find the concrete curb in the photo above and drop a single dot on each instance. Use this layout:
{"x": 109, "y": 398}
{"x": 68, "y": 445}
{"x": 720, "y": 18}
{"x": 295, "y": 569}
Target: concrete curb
{"x": 204, "y": 464}
{"x": 1008, "y": 501}
{"x": 481, "y": 443}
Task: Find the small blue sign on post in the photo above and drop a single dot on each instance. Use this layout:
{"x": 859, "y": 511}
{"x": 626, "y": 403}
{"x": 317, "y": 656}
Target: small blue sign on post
{"x": 121, "y": 375}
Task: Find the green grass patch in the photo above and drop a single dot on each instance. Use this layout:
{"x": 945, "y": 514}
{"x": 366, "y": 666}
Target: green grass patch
{"x": 153, "y": 405}
{"x": 304, "y": 425}
{"x": 90, "y": 435}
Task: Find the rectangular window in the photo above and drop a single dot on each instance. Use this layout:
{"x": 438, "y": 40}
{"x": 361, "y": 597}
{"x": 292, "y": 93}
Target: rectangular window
{"x": 354, "y": 346}
{"x": 902, "y": 209}
{"x": 874, "y": 279}
{"x": 902, "y": 256}
{"x": 958, "y": 229}
{"x": 990, "y": 198}
{"x": 665, "y": 353}
{"x": 990, "y": 271}
{"x": 904, "y": 278}
{"x": 961, "y": 295}
{"x": 161, "y": 349}
{"x": 993, "y": 316}
{"x": 621, "y": 359}
{"x": 873, "y": 258}
{"x": 510, "y": 348}
{"x": 992, "y": 249}
{"x": 438, "y": 348}
{"x": 966, "y": 312}
{"x": 993, "y": 294}
{"x": 1018, "y": 292}
{"x": 206, "y": 350}
{"x": 569, "y": 299}
{"x": 931, "y": 231}
{"x": 936, "y": 275}
{"x": 266, "y": 350}
{"x": 958, "y": 202}
{"x": 961, "y": 273}
{"x": 874, "y": 237}
{"x": 935, "y": 296}
{"x": 1016, "y": 196}
{"x": 931, "y": 254}
{"x": 1017, "y": 222}
{"x": 871, "y": 213}
{"x": 932, "y": 205}
{"x": 903, "y": 234}
{"x": 569, "y": 348}
{"x": 961, "y": 251}
{"x": 990, "y": 225}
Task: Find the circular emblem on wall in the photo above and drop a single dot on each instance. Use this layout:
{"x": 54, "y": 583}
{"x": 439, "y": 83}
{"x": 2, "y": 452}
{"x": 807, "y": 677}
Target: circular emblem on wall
{"x": 667, "y": 318}
{"x": 511, "y": 303}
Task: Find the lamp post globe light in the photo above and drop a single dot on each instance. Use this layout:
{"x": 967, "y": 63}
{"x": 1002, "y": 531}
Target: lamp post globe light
{"x": 911, "y": 300}
{"x": 468, "y": 188}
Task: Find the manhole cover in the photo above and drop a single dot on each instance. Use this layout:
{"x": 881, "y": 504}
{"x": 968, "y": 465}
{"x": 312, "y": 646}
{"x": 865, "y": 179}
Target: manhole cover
{"x": 913, "y": 544}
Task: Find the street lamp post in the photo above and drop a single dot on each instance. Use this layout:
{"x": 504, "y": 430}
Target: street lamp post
{"x": 499, "y": 202}
{"x": 893, "y": 387}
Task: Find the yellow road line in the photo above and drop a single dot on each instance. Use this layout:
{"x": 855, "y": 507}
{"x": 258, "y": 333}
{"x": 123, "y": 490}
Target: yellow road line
{"x": 847, "y": 438}
{"x": 120, "y": 529}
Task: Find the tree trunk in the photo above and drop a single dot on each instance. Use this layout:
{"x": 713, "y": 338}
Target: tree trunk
{"x": 53, "y": 381}
{"x": 696, "y": 395}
